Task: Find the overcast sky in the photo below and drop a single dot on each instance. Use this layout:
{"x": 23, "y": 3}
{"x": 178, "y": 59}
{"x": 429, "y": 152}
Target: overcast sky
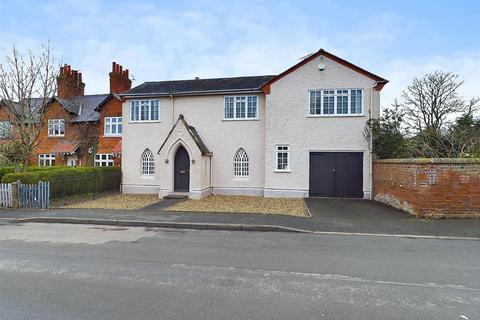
{"x": 160, "y": 40}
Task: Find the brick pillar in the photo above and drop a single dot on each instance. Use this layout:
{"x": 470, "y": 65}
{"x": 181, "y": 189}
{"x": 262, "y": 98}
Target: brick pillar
{"x": 15, "y": 194}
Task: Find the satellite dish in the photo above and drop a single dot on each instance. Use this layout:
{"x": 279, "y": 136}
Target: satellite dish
{"x": 321, "y": 66}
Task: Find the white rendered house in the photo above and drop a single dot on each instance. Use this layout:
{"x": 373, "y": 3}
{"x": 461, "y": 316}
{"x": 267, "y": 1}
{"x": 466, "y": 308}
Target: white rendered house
{"x": 296, "y": 134}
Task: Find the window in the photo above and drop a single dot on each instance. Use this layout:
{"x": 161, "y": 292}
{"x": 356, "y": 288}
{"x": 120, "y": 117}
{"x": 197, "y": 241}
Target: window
{"x": 113, "y": 126}
{"x": 240, "y": 163}
{"x": 104, "y": 160}
{"x": 56, "y": 127}
{"x": 148, "y": 163}
{"x": 144, "y": 110}
{"x": 5, "y": 130}
{"x": 242, "y": 107}
{"x": 282, "y": 158}
{"x": 46, "y": 160}
{"x": 336, "y": 102}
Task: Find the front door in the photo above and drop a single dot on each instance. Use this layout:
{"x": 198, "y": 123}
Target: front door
{"x": 181, "y": 171}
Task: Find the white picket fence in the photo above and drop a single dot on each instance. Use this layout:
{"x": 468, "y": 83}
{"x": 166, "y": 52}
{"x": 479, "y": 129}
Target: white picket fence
{"x": 6, "y": 199}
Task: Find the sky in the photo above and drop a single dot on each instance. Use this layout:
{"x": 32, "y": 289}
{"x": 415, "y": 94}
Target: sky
{"x": 166, "y": 40}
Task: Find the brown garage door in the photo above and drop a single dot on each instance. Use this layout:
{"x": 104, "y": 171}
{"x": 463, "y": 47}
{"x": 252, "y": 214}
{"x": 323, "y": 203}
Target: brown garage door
{"x": 336, "y": 174}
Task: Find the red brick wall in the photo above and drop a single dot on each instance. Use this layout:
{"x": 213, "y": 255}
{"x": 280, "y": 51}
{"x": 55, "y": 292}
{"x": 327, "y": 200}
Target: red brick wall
{"x": 112, "y": 108}
{"x": 73, "y": 132}
{"x": 437, "y": 188}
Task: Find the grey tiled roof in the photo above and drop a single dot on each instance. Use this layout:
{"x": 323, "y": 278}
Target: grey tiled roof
{"x": 252, "y": 83}
{"x": 84, "y": 108}
{"x": 88, "y": 104}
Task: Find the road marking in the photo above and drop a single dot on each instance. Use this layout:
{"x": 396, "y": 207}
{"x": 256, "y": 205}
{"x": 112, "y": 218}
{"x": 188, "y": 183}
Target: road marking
{"x": 321, "y": 276}
{"x": 414, "y": 236}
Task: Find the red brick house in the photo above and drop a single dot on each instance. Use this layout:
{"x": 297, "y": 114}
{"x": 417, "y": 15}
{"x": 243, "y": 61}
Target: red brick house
{"x": 82, "y": 130}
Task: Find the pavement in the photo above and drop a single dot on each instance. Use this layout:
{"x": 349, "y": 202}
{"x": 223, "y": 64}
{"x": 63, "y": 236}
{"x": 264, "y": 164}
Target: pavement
{"x": 60, "y": 271}
{"x": 328, "y": 216}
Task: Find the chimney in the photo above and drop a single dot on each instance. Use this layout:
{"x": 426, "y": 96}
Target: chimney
{"x": 119, "y": 81}
{"x": 70, "y": 83}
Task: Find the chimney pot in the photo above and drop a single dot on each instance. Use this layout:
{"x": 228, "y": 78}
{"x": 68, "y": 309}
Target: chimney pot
{"x": 197, "y": 78}
{"x": 113, "y": 66}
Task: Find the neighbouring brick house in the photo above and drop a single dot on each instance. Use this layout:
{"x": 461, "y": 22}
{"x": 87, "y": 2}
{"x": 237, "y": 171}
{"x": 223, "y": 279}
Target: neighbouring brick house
{"x": 82, "y": 129}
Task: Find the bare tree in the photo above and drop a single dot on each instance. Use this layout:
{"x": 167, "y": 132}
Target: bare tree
{"x": 27, "y": 84}
{"x": 430, "y": 101}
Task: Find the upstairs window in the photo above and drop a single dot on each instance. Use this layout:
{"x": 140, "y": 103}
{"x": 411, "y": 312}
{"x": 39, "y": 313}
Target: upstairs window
{"x": 240, "y": 163}
{"x": 113, "y": 126}
{"x": 56, "y": 127}
{"x": 148, "y": 163}
{"x": 144, "y": 110}
{"x": 5, "y": 129}
{"x": 241, "y": 107}
{"x": 336, "y": 102}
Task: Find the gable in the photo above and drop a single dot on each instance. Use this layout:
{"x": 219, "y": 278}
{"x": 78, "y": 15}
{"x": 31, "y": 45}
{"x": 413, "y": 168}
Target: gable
{"x": 322, "y": 57}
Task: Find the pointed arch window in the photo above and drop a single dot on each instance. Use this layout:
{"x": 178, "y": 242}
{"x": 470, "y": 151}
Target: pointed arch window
{"x": 240, "y": 163}
{"x": 148, "y": 163}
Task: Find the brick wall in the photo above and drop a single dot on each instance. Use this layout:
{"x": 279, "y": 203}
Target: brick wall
{"x": 436, "y": 188}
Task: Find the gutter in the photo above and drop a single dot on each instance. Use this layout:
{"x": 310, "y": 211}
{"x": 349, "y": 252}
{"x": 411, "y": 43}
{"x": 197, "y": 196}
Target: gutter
{"x": 190, "y": 93}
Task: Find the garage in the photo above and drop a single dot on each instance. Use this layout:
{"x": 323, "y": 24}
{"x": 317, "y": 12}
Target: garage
{"x": 336, "y": 174}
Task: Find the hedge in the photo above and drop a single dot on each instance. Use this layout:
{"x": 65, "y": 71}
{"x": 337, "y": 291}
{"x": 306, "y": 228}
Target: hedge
{"x": 66, "y": 181}
{"x": 10, "y": 169}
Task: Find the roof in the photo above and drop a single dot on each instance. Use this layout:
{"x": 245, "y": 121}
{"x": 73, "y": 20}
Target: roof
{"x": 199, "y": 86}
{"x": 380, "y": 81}
{"x": 118, "y": 147}
{"x": 193, "y": 133}
{"x": 84, "y": 108}
{"x": 65, "y": 147}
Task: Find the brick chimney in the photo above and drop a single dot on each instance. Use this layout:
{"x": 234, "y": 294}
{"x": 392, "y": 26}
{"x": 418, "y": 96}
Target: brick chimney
{"x": 119, "y": 81}
{"x": 70, "y": 83}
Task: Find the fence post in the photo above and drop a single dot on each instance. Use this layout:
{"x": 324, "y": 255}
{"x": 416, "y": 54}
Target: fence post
{"x": 15, "y": 194}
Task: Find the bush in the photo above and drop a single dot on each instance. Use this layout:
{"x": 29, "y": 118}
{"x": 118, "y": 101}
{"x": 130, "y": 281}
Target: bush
{"x": 66, "y": 181}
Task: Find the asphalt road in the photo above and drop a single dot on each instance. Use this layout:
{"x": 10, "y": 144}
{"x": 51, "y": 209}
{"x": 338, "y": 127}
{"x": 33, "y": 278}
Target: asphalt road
{"x": 85, "y": 272}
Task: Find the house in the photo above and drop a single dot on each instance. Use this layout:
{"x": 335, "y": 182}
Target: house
{"x": 81, "y": 129}
{"x": 295, "y": 134}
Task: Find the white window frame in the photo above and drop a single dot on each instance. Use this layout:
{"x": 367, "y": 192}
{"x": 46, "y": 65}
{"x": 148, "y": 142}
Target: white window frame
{"x": 104, "y": 160}
{"x": 144, "y": 102}
{"x": 48, "y": 159}
{"x": 147, "y": 165}
{"x": 117, "y": 124}
{"x": 336, "y": 94}
{"x": 279, "y": 151}
{"x": 239, "y": 98}
{"x": 241, "y": 164}
{"x": 5, "y": 129}
{"x": 56, "y": 125}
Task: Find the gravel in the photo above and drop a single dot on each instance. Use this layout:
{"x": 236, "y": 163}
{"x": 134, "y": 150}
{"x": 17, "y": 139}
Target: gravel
{"x": 115, "y": 201}
{"x": 244, "y": 204}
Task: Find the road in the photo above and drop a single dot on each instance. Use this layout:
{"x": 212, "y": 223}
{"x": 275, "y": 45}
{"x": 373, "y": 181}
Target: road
{"x": 55, "y": 271}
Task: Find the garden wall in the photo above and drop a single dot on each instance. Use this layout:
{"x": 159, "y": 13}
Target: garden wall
{"x": 436, "y": 188}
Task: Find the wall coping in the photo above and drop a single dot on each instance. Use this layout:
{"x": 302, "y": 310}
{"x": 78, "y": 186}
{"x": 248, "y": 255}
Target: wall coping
{"x": 431, "y": 161}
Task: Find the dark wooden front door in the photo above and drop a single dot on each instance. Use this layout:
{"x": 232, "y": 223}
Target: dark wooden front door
{"x": 336, "y": 174}
{"x": 181, "y": 173}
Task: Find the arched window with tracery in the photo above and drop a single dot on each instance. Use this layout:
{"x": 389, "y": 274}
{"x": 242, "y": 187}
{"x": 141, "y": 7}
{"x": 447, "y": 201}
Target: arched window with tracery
{"x": 240, "y": 163}
{"x": 148, "y": 163}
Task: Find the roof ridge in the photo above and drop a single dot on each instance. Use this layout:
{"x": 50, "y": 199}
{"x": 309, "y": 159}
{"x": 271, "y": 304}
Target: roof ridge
{"x": 218, "y": 78}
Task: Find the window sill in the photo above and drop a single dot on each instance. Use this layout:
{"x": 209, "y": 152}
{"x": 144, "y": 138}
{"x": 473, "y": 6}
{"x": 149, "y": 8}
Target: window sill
{"x": 156, "y": 121}
{"x": 282, "y": 171}
{"x": 335, "y": 115}
{"x": 240, "y": 119}
{"x": 111, "y": 136}
{"x": 144, "y": 176}
{"x": 245, "y": 178}
{"x": 56, "y": 136}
